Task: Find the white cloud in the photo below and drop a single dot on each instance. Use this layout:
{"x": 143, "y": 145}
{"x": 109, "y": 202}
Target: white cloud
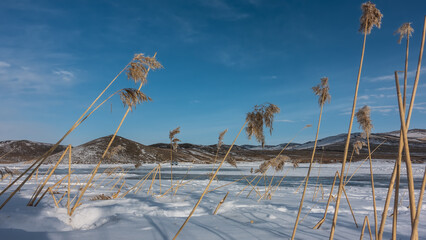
{"x": 65, "y": 75}
{"x": 284, "y": 120}
{"x": 4, "y": 64}
{"x": 392, "y": 76}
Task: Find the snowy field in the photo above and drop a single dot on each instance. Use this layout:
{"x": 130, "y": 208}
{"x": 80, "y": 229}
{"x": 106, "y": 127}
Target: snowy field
{"x": 151, "y": 216}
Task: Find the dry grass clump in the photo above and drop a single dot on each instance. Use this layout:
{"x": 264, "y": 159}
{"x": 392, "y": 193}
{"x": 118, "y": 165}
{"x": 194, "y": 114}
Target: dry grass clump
{"x": 404, "y": 30}
{"x": 132, "y": 97}
{"x": 174, "y": 141}
{"x": 277, "y": 163}
{"x": 364, "y": 120}
{"x": 358, "y": 146}
{"x": 220, "y": 141}
{"x": 371, "y": 16}
{"x": 100, "y": 197}
{"x": 138, "y": 69}
{"x": 232, "y": 161}
{"x": 6, "y": 172}
{"x": 261, "y": 115}
{"x": 321, "y": 90}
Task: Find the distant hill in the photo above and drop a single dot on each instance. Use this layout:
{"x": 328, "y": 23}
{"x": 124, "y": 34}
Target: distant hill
{"x": 329, "y": 149}
{"x": 24, "y": 150}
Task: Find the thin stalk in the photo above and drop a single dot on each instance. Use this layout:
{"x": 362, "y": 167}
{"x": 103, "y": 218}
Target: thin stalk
{"x": 416, "y": 81}
{"x": 69, "y": 182}
{"x": 220, "y": 203}
{"x": 348, "y": 138}
{"x": 366, "y": 222}
{"x": 307, "y": 176}
{"x": 407, "y": 155}
{"x": 414, "y": 232}
{"x": 376, "y": 232}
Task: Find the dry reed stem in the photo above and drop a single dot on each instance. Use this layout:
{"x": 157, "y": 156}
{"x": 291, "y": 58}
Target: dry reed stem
{"x": 220, "y": 203}
{"x": 138, "y": 72}
{"x": 225, "y": 185}
{"x": 363, "y": 161}
{"x": 350, "y": 207}
{"x": 366, "y": 222}
{"x": 416, "y": 81}
{"x": 69, "y": 182}
{"x": 279, "y": 183}
{"x": 414, "y": 231}
{"x": 348, "y": 138}
{"x": 318, "y": 225}
{"x": 53, "y": 186}
{"x": 211, "y": 180}
{"x": 173, "y": 146}
{"x": 77, "y": 203}
{"x": 152, "y": 181}
{"x": 40, "y": 187}
{"x": 248, "y": 184}
{"x": 407, "y": 155}
{"x": 322, "y": 91}
{"x": 364, "y": 120}
{"x": 41, "y": 159}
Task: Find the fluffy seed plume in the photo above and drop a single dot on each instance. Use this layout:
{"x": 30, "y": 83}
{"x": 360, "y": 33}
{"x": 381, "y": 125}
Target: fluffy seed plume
{"x": 132, "y": 97}
{"x": 404, "y": 30}
{"x": 364, "y": 120}
{"x": 371, "y": 16}
{"x": 261, "y": 115}
{"x": 174, "y": 141}
{"x": 138, "y": 68}
{"x": 221, "y": 135}
{"x": 358, "y": 146}
{"x": 321, "y": 90}
{"x": 232, "y": 161}
{"x": 295, "y": 163}
{"x": 173, "y": 133}
{"x": 277, "y": 163}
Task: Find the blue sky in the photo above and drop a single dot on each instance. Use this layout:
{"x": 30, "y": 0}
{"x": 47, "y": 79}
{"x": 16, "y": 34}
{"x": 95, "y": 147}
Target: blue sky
{"x": 221, "y": 58}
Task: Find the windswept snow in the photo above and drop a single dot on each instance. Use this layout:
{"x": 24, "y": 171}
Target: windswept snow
{"x": 143, "y": 216}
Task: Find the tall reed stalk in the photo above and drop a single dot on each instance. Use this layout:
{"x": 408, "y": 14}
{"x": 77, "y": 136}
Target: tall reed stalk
{"x": 173, "y": 147}
{"x": 320, "y": 90}
{"x": 405, "y": 30}
{"x": 391, "y": 184}
{"x": 371, "y": 17}
{"x": 364, "y": 120}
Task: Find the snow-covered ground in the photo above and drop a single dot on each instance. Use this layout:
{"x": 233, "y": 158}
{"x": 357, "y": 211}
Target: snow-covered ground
{"x": 143, "y": 216}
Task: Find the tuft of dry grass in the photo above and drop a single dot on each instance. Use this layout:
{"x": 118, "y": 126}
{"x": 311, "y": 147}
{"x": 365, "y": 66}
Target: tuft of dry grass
{"x": 358, "y": 146}
{"x": 173, "y": 148}
{"x": 364, "y": 120}
{"x": 321, "y": 90}
{"x": 404, "y": 30}
{"x": 232, "y": 161}
{"x": 132, "y": 97}
{"x": 261, "y": 115}
{"x": 220, "y": 141}
{"x": 371, "y": 16}
{"x": 100, "y": 197}
{"x": 139, "y": 67}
